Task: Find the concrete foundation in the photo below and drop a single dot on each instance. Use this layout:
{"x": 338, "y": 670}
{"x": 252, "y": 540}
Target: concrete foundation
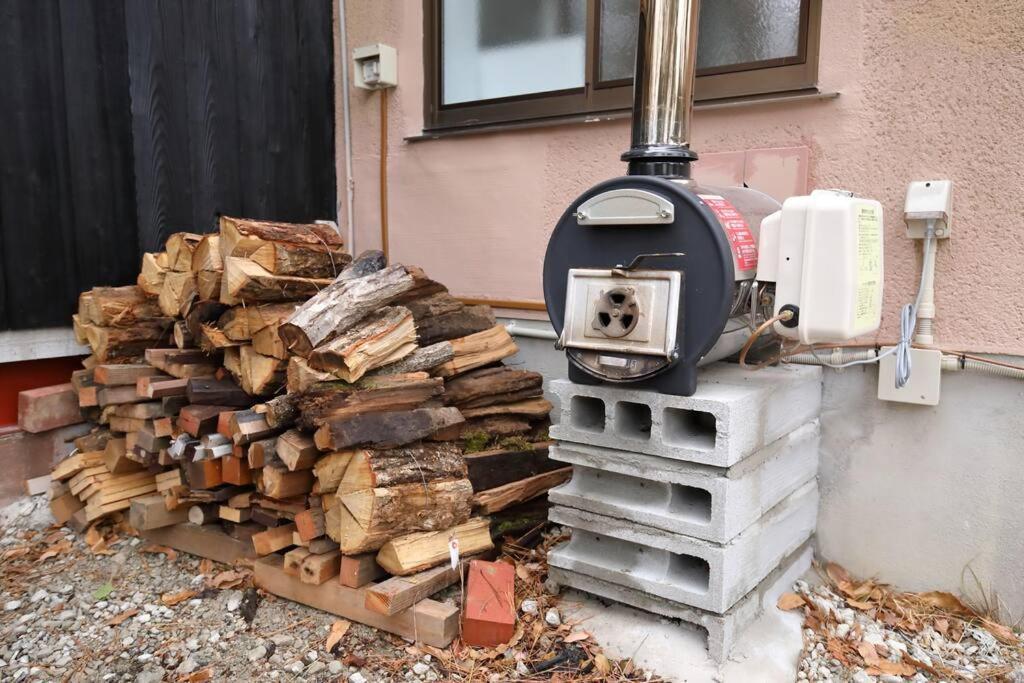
{"x": 705, "y": 502}
{"x": 683, "y": 569}
{"x": 721, "y": 630}
{"x": 733, "y": 414}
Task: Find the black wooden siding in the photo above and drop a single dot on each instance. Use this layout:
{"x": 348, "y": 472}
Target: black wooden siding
{"x": 124, "y": 121}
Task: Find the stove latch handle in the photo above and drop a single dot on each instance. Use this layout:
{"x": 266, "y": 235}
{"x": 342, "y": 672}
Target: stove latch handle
{"x": 623, "y": 271}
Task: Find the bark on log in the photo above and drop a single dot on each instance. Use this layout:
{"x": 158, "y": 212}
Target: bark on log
{"x": 385, "y": 336}
{"x": 488, "y": 386}
{"x": 531, "y": 408}
{"x": 418, "y": 463}
{"x": 327, "y": 401}
{"x": 301, "y": 377}
{"x": 420, "y": 360}
{"x": 281, "y": 411}
{"x": 385, "y": 430}
{"x": 117, "y": 306}
{"x": 413, "y": 553}
{"x": 110, "y": 343}
{"x": 339, "y": 307}
{"x": 248, "y": 282}
{"x": 441, "y": 317}
{"x": 242, "y": 237}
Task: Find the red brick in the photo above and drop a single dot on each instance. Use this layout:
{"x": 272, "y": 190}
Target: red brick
{"x": 46, "y": 408}
{"x": 490, "y": 615}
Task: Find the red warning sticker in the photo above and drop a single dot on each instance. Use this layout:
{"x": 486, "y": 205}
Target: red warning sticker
{"x": 744, "y": 247}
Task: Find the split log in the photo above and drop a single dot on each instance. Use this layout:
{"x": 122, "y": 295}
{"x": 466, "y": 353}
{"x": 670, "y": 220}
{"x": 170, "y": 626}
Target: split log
{"x": 442, "y": 317}
{"x": 206, "y": 255}
{"x": 204, "y": 514}
{"x": 419, "y": 551}
{"x": 477, "y": 350}
{"x": 383, "y": 513}
{"x": 209, "y": 284}
{"x": 262, "y": 452}
{"x": 154, "y": 269}
{"x": 402, "y": 592}
{"x": 279, "y": 482}
{"x": 494, "y": 500}
{"x": 180, "y": 247}
{"x": 212, "y": 339}
{"x": 183, "y": 339}
{"x": 297, "y": 450}
{"x": 234, "y": 323}
{"x": 273, "y": 540}
{"x": 112, "y": 343}
{"x": 159, "y": 386}
{"x": 247, "y": 282}
{"x": 385, "y": 430}
{"x": 529, "y": 408}
{"x": 235, "y": 470}
{"x": 245, "y": 237}
{"x": 248, "y": 426}
{"x": 261, "y": 375}
{"x": 422, "y": 359}
{"x": 339, "y": 307}
{"x": 117, "y": 306}
{"x": 317, "y": 569}
{"x": 336, "y": 400}
{"x": 281, "y": 411}
{"x": 177, "y": 294}
{"x": 330, "y": 469}
{"x": 491, "y": 469}
{"x": 309, "y": 524}
{"x": 117, "y": 395}
{"x": 202, "y": 313}
{"x": 385, "y": 336}
{"x": 488, "y": 386}
{"x": 300, "y": 377}
{"x": 263, "y": 323}
{"x": 199, "y": 420}
{"x": 418, "y": 463}
{"x": 293, "y": 560}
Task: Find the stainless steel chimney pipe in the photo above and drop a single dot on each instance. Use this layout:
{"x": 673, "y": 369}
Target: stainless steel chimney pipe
{"x": 666, "y": 64}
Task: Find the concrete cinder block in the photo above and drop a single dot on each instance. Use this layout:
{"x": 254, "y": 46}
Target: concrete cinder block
{"x": 709, "y": 503}
{"x": 733, "y": 414}
{"x": 684, "y": 569}
{"x": 722, "y": 629}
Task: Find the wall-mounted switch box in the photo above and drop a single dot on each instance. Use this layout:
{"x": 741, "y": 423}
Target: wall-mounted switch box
{"x": 925, "y": 378}
{"x": 929, "y": 200}
{"x": 376, "y": 67}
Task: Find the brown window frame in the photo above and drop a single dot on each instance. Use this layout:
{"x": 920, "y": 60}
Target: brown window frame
{"x": 784, "y": 75}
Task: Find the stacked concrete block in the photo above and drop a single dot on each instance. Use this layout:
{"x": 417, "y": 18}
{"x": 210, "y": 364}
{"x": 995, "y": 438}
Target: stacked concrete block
{"x": 688, "y": 503}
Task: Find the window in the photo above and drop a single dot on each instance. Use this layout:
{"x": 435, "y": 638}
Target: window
{"x": 496, "y": 61}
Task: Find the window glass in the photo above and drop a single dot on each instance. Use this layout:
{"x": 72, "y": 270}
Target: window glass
{"x": 496, "y": 48}
{"x": 732, "y": 32}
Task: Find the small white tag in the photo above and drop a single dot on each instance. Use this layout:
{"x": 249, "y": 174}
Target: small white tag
{"x": 453, "y": 551}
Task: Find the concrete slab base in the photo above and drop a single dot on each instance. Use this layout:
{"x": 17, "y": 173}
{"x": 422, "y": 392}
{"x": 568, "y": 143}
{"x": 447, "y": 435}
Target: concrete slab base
{"x": 711, "y": 503}
{"x": 683, "y": 569}
{"x": 752, "y": 642}
{"x": 733, "y": 414}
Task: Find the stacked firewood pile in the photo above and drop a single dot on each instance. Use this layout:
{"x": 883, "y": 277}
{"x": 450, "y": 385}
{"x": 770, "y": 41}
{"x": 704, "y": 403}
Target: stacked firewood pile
{"x": 347, "y": 413}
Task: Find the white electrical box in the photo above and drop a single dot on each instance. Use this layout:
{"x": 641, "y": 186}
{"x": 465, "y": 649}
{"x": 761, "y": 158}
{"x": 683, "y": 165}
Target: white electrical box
{"x": 923, "y": 386}
{"x": 376, "y": 67}
{"x": 929, "y": 200}
{"x": 824, "y": 252}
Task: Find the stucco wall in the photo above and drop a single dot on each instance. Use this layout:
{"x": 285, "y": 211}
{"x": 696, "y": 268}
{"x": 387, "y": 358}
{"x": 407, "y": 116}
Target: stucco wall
{"x": 928, "y": 89}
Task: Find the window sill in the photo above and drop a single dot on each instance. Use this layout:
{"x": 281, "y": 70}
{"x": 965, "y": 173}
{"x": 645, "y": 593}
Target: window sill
{"x": 793, "y": 97}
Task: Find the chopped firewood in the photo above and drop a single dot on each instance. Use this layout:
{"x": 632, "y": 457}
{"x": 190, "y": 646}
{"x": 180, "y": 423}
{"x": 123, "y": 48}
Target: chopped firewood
{"x": 262, "y": 452}
{"x": 117, "y": 395}
{"x": 441, "y": 317}
{"x": 129, "y": 374}
{"x": 385, "y": 336}
{"x": 493, "y": 500}
{"x": 47, "y": 408}
{"x": 293, "y": 560}
{"x": 477, "y": 350}
{"x": 489, "y": 386}
{"x": 297, "y": 450}
{"x": 330, "y": 469}
{"x": 494, "y": 468}
{"x": 199, "y": 420}
{"x": 248, "y": 426}
{"x": 385, "y": 430}
{"x": 177, "y": 294}
{"x": 116, "y": 460}
{"x": 417, "y": 463}
{"x": 180, "y": 247}
{"x": 401, "y": 592}
{"x": 234, "y": 323}
{"x": 212, "y": 338}
{"x": 359, "y": 570}
{"x": 245, "y": 281}
{"x": 301, "y": 377}
{"x": 377, "y": 515}
{"x": 245, "y": 237}
{"x": 116, "y": 343}
{"x": 279, "y": 482}
{"x": 207, "y": 513}
{"x": 206, "y": 255}
{"x": 333, "y": 400}
{"x": 221, "y": 392}
{"x": 316, "y": 569}
{"x": 181, "y": 335}
{"x": 117, "y": 306}
{"x": 261, "y": 375}
{"x": 422, "y": 359}
{"x": 528, "y": 408}
{"x": 422, "y": 550}
{"x": 274, "y": 539}
{"x": 235, "y": 470}
{"x": 203, "y": 474}
{"x": 151, "y": 277}
{"x": 236, "y": 515}
{"x": 160, "y": 386}
{"x": 309, "y": 524}
{"x": 341, "y": 306}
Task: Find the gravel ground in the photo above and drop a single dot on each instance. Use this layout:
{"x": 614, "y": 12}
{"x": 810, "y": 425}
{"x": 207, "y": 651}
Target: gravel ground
{"x": 70, "y": 613}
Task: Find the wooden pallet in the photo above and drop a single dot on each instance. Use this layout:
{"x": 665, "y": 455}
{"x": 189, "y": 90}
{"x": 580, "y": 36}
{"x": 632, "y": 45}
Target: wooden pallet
{"x": 202, "y": 541}
{"x": 428, "y": 621}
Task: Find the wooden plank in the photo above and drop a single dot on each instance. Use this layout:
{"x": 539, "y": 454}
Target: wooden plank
{"x": 359, "y": 570}
{"x": 401, "y": 592}
{"x": 150, "y": 512}
{"x": 493, "y": 500}
{"x": 429, "y": 622}
{"x": 202, "y": 541}
{"x": 272, "y": 540}
{"x": 110, "y": 375}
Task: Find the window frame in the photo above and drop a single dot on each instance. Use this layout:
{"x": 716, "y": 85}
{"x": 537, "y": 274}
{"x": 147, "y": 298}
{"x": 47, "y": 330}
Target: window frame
{"x": 782, "y": 75}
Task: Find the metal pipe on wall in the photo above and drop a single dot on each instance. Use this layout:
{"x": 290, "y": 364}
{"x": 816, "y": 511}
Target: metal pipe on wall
{"x": 346, "y": 122}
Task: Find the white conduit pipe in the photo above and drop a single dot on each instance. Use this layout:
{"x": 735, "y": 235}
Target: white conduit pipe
{"x": 346, "y": 119}
{"x": 950, "y": 363}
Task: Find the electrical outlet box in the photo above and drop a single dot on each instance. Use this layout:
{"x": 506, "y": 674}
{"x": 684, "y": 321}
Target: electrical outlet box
{"x": 929, "y": 200}
{"x": 376, "y": 67}
{"x": 925, "y": 378}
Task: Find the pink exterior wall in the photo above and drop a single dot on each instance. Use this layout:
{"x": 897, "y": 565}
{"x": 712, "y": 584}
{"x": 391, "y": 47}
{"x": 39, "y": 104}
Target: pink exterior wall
{"x": 927, "y": 90}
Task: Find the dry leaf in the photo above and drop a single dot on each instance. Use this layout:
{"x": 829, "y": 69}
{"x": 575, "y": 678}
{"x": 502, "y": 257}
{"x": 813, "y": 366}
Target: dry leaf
{"x": 338, "y": 631}
{"x": 172, "y": 599}
{"x": 119, "y": 619}
{"x": 602, "y": 664}
{"x": 197, "y": 676}
{"x": 206, "y": 566}
{"x": 155, "y": 549}
{"x": 1002, "y": 633}
{"x": 522, "y": 572}
{"x": 837, "y": 574}
{"x": 868, "y": 653}
{"x": 947, "y": 602}
{"x": 229, "y": 579}
{"x": 92, "y": 536}
{"x": 577, "y": 636}
{"x": 16, "y": 552}
{"x": 884, "y": 667}
{"x": 941, "y": 626}
{"x": 789, "y": 601}
{"x": 857, "y": 604}
{"x": 55, "y": 549}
